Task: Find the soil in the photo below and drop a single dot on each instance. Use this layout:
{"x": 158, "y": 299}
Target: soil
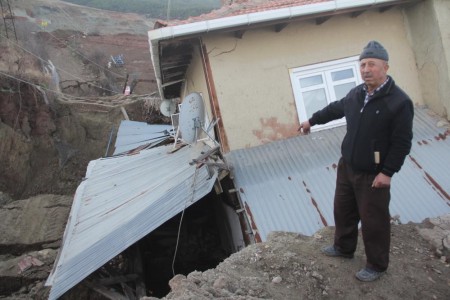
{"x": 80, "y": 42}
{"x": 290, "y": 266}
{"x": 46, "y": 145}
{"x": 41, "y": 138}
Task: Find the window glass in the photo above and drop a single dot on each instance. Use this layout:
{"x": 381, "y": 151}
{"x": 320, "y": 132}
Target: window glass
{"x": 314, "y": 100}
{"x": 317, "y": 85}
{"x": 342, "y": 89}
{"x": 343, "y": 74}
{"x": 310, "y": 81}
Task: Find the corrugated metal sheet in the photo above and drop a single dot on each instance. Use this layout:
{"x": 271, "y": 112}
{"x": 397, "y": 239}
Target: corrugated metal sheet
{"x": 289, "y": 185}
{"x": 132, "y": 134}
{"x": 121, "y": 200}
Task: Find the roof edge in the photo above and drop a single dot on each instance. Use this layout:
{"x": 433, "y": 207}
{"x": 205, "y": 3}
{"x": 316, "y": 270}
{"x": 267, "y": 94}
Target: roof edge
{"x": 170, "y": 32}
{"x": 196, "y": 28}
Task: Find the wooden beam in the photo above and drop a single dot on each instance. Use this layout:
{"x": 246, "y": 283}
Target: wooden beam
{"x": 321, "y": 20}
{"x": 173, "y": 76}
{"x": 204, "y": 155}
{"x": 124, "y": 112}
{"x": 239, "y": 34}
{"x": 279, "y": 27}
{"x": 171, "y": 83}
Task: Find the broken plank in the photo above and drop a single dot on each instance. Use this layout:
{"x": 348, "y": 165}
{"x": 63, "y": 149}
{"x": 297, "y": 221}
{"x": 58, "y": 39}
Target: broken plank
{"x": 205, "y": 155}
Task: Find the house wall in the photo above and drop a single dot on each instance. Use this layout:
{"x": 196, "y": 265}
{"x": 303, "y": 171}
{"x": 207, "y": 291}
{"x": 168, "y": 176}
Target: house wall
{"x": 196, "y": 82}
{"x": 251, "y": 74}
{"x": 429, "y": 28}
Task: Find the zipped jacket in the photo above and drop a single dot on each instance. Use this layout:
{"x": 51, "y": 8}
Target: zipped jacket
{"x": 383, "y": 125}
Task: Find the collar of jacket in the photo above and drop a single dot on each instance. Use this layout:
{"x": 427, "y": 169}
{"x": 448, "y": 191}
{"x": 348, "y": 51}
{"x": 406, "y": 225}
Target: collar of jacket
{"x": 384, "y": 90}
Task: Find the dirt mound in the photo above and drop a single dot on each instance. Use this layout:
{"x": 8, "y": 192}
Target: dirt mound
{"x": 290, "y": 266}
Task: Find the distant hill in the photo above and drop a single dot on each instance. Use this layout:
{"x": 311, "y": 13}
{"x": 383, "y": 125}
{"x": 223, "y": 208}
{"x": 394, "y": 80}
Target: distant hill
{"x": 179, "y": 9}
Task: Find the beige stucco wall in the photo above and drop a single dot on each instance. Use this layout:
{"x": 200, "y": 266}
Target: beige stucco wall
{"x": 251, "y": 74}
{"x": 196, "y": 82}
{"x": 429, "y": 29}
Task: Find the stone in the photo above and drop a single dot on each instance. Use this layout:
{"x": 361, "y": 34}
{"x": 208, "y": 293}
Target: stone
{"x": 220, "y": 283}
{"x": 37, "y": 221}
{"x": 277, "y": 279}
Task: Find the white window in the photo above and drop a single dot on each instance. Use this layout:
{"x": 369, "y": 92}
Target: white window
{"x": 316, "y": 86}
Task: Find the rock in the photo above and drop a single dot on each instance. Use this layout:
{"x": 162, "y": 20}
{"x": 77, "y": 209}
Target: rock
{"x": 4, "y": 199}
{"x": 442, "y": 222}
{"x": 277, "y": 279}
{"x": 24, "y": 270}
{"x": 176, "y": 282}
{"x": 195, "y": 277}
{"x": 37, "y": 221}
{"x": 220, "y": 283}
{"x": 439, "y": 234}
{"x": 434, "y": 236}
{"x": 316, "y": 275}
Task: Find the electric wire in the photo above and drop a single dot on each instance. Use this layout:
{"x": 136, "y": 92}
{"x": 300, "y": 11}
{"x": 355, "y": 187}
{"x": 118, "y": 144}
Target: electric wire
{"x": 33, "y": 84}
{"x": 37, "y": 86}
{"x": 59, "y": 69}
{"x": 181, "y": 220}
{"x": 81, "y": 54}
{"x": 70, "y": 19}
{"x": 67, "y": 16}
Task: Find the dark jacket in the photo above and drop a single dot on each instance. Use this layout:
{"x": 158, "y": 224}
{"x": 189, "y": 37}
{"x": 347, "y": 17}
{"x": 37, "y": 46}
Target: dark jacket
{"x": 383, "y": 125}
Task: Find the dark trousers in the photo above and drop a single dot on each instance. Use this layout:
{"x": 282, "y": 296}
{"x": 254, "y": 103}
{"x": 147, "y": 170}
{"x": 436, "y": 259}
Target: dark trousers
{"x": 355, "y": 200}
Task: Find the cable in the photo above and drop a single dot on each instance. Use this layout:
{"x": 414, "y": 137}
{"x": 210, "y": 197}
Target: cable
{"x": 36, "y": 86}
{"x": 181, "y": 220}
{"x": 69, "y": 18}
{"x": 43, "y": 60}
{"x": 59, "y": 69}
{"x": 73, "y": 49}
{"x": 79, "y": 27}
{"x": 32, "y": 84}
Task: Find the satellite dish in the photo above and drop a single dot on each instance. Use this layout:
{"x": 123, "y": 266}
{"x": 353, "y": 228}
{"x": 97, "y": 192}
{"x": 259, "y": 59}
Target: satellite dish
{"x": 192, "y": 116}
{"x": 168, "y": 107}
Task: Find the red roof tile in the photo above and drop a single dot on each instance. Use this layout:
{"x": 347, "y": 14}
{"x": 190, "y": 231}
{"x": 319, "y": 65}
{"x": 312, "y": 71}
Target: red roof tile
{"x": 239, "y": 8}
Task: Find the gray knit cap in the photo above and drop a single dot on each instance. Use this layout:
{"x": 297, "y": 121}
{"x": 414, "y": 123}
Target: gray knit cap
{"x": 374, "y": 50}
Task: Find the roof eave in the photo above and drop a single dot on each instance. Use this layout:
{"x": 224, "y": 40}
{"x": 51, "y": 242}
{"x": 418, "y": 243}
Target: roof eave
{"x": 247, "y": 20}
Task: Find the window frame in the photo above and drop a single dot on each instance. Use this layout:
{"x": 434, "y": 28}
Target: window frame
{"x": 325, "y": 69}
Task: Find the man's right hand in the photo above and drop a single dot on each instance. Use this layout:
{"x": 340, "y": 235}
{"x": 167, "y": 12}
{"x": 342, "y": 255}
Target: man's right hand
{"x": 305, "y": 127}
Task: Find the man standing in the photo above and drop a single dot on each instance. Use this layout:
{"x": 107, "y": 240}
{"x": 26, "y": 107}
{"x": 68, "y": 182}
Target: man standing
{"x": 379, "y": 118}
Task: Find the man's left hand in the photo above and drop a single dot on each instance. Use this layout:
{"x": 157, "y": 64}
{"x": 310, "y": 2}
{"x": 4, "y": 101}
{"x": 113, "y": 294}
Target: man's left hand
{"x": 381, "y": 181}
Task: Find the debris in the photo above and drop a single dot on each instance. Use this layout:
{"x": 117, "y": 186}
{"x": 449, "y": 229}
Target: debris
{"x": 27, "y": 262}
{"x": 316, "y": 275}
{"x": 436, "y": 270}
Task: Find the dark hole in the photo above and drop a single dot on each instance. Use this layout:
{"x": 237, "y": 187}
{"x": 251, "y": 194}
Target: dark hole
{"x": 210, "y": 232}
{"x": 202, "y": 245}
